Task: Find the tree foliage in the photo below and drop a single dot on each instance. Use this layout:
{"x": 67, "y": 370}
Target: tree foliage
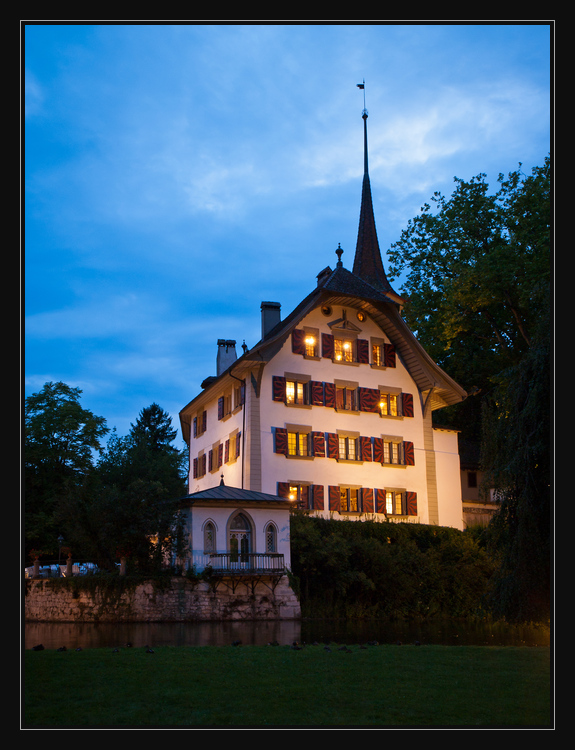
{"x": 477, "y": 273}
{"x": 61, "y": 439}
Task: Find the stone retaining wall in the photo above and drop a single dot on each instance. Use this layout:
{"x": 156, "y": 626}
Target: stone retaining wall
{"x": 179, "y": 601}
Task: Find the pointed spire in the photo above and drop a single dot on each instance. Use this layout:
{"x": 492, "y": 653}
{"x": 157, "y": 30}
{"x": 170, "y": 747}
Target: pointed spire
{"x": 367, "y": 262}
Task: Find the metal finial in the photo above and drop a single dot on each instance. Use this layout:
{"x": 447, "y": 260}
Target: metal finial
{"x": 362, "y": 87}
{"x": 221, "y": 480}
{"x": 339, "y": 253}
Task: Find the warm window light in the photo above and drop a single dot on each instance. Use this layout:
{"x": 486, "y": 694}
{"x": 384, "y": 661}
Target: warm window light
{"x": 310, "y": 340}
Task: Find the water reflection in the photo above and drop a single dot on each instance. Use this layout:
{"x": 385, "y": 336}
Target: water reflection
{"x": 443, "y": 632}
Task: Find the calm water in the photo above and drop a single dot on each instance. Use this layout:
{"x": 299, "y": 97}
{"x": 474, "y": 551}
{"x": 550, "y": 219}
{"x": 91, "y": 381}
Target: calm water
{"x": 443, "y": 632}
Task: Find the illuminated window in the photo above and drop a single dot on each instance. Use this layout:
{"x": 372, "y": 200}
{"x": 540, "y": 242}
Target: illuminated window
{"x": 377, "y": 355}
{"x": 347, "y": 448}
{"x": 349, "y": 499}
{"x": 394, "y": 503}
{"x": 343, "y": 350}
{"x": 388, "y": 404}
{"x": 300, "y": 495}
{"x": 391, "y": 452}
{"x": 310, "y": 342}
{"x": 296, "y": 392}
{"x": 298, "y": 444}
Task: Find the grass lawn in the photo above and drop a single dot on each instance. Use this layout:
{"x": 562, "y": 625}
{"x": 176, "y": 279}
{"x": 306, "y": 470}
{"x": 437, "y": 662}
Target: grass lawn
{"x": 277, "y": 686}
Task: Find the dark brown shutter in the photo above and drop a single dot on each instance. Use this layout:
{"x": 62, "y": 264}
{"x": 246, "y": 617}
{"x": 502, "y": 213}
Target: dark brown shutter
{"x": 389, "y": 355}
{"x": 407, "y": 404}
{"x": 195, "y": 427}
{"x": 365, "y": 449}
{"x": 283, "y": 489}
{"x": 327, "y": 346}
{"x": 408, "y": 453}
{"x": 317, "y": 497}
{"x": 378, "y": 449}
{"x": 281, "y": 440}
{"x": 318, "y": 444}
{"x": 298, "y": 341}
{"x": 334, "y": 498}
{"x": 195, "y": 468}
{"x": 329, "y": 395}
{"x": 363, "y": 351}
{"x": 210, "y": 459}
{"x": 368, "y": 399}
{"x": 204, "y": 421}
{"x": 316, "y": 388}
{"x": 203, "y": 463}
{"x": 278, "y": 388}
{"x": 220, "y": 454}
{"x": 332, "y": 445}
{"x": 238, "y": 444}
{"x": 367, "y": 500}
{"x": 220, "y": 407}
{"x": 411, "y": 502}
{"x": 227, "y": 451}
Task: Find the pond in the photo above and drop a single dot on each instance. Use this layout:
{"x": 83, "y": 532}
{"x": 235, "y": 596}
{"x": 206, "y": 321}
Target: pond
{"x": 440, "y": 632}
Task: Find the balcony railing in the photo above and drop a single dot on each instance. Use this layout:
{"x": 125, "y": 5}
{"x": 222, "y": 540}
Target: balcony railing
{"x": 247, "y": 563}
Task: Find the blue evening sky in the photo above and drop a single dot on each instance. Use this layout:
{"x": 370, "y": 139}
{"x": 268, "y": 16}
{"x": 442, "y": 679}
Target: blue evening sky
{"x": 178, "y": 175}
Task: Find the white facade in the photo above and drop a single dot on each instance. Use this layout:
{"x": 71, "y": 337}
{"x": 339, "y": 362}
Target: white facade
{"x": 333, "y": 406}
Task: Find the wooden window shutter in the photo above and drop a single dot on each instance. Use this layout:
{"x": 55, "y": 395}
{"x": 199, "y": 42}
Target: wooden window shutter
{"x": 203, "y": 463}
{"x": 332, "y": 445}
{"x": 367, "y": 504}
{"x": 378, "y": 449}
{"x": 339, "y": 401}
{"x": 220, "y": 454}
{"x": 389, "y": 355}
{"x": 329, "y": 395}
{"x": 227, "y": 452}
{"x": 408, "y": 453}
{"x": 195, "y": 427}
{"x": 210, "y": 459}
{"x": 283, "y": 489}
{"x": 363, "y": 351}
{"x": 238, "y": 444}
{"x": 317, "y": 496}
{"x": 318, "y": 444}
{"x": 298, "y": 341}
{"x": 204, "y": 421}
{"x": 316, "y": 388}
{"x": 368, "y": 399}
{"x": 195, "y": 468}
{"x": 407, "y": 404}
{"x": 334, "y": 498}
{"x": 304, "y": 496}
{"x": 365, "y": 449}
{"x": 380, "y": 501}
{"x": 279, "y": 388}
{"x": 220, "y": 407}
{"x": 327, "y": 346}
{"x": 411, "y": 502}
{"x": 281, "y": 440}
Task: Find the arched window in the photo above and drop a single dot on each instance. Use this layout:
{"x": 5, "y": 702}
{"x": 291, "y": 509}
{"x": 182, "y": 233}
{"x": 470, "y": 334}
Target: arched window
{"x": 271, "y": 538}
{"x": 209, "y": 537}
{"x": 239, "y": 537}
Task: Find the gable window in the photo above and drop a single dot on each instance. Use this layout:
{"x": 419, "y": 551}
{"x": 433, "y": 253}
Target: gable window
{"x": 310, "y": 344}
{"x": 377, "y": 354}
{"x": 343, "y": 350}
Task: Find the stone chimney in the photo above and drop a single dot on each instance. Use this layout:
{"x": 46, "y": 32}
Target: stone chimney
{"x": 271, "y": 316}
{"x": 226, "y": 355}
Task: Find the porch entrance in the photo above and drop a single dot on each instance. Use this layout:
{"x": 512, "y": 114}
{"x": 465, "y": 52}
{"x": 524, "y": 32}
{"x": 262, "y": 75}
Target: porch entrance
{"x": 239, "y": 540}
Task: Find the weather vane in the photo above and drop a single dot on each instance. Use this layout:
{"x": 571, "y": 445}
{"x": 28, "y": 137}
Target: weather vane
{"x": 362, "y": 86}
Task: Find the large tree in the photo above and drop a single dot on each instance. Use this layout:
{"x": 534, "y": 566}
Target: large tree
{"x": 126, "y": 506}
{"x": 477, "y": 273}
{"x": 61, "y": 440}
{"x": 478, "y": 282}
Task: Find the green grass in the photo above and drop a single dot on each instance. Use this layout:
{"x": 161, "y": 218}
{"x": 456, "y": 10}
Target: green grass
{"x": 276, "y": 686}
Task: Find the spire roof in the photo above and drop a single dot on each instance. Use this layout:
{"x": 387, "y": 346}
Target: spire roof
{"x": 367, "y": 262}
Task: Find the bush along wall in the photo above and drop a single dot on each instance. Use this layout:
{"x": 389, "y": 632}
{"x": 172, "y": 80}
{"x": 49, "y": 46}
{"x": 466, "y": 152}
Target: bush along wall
{"x": 372, "y": 569}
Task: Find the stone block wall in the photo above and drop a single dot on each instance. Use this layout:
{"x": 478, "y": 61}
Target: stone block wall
{"x": 180, "y": 601}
